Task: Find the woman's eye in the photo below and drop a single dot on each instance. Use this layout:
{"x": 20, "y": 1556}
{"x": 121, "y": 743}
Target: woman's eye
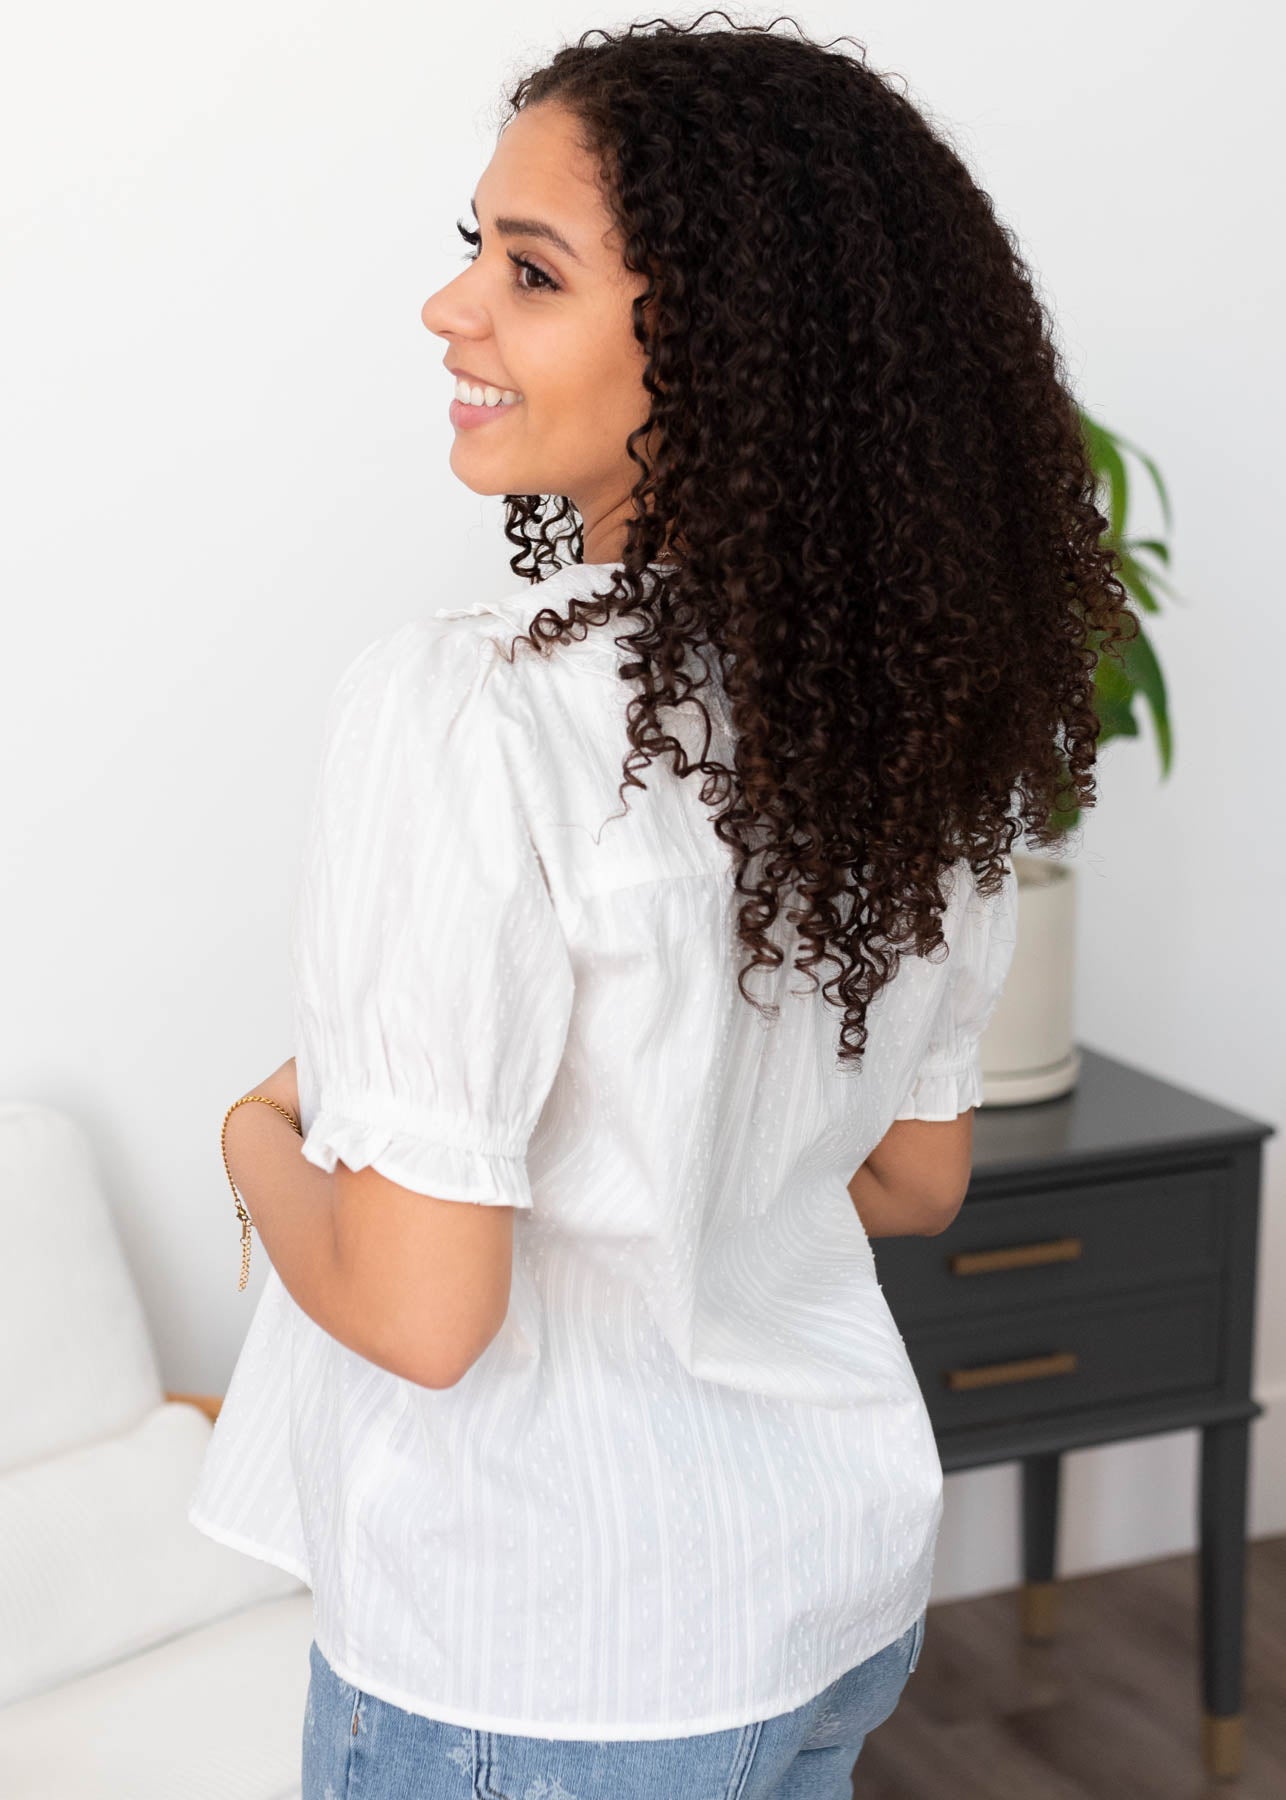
{"x": 545, "y": 282}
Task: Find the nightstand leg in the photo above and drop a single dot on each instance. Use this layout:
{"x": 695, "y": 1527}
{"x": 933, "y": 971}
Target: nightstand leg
{"x": 1224, "y": 1452}
{"x": 1040, "y": 1538}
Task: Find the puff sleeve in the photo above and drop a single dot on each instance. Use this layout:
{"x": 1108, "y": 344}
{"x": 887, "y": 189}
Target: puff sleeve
{"x": 432, "y": 981}
{"x": 948, "y": 1080}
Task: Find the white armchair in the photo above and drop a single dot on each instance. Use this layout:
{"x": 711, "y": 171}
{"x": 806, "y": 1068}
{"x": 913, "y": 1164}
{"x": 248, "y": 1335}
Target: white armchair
{"x": 139, "y": 1660}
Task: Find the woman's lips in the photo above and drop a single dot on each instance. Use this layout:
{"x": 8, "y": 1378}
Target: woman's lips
{"x": 466, "y": 416}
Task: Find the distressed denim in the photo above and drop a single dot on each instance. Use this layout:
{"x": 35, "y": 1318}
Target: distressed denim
{"x": 358, "y": 1747}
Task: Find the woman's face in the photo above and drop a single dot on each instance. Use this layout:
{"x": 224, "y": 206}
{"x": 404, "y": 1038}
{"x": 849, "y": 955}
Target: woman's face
{"x": 558, "y": 332}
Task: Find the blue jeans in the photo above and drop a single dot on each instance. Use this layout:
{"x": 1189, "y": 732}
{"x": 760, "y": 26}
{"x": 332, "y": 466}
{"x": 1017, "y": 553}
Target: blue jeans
{"x": 358, "y": 1747}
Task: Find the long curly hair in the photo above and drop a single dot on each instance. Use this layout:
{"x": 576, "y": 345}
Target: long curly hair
{"x": 866, "y": 450}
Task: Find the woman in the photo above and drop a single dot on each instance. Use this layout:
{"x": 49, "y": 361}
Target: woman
{"x": 616, "y": 1480}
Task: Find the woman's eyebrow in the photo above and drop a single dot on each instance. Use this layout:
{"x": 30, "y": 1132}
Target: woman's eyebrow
{"x": 532, "y": 228}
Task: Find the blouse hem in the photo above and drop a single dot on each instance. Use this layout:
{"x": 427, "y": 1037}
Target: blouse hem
{"x": 281, "y": 1559}
{"x": 595, "y": 1730}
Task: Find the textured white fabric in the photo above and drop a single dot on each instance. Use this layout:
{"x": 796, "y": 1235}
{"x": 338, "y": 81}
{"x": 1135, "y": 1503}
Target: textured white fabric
{"x": 434, "y": 985}
{"x": 692, "y": 1481}
{"x": 949, "y": 1077}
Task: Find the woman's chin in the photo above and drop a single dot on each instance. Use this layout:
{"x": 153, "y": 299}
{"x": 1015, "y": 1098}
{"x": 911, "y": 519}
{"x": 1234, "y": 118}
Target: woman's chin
{"x": 482, "y": 475}
{"x": 493, "y": 472}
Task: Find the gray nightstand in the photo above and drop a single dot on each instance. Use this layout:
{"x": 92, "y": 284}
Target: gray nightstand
{"x": 1097, "y": 1284}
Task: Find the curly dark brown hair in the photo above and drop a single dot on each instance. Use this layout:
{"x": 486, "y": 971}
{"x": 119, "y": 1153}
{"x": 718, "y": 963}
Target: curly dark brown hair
{"x": 869, "y": 456}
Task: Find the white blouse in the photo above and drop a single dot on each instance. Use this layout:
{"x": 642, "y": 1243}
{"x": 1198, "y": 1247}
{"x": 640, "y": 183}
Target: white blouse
{"x": 692, "y": 1480}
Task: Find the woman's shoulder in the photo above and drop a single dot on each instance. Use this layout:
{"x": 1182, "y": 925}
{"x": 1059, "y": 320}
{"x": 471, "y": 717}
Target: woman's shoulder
{"x": 522, "y": 599}
{"x": 504, "y": 606}
{"x": 586, "y": 649}
{"x": 432, "y": 657}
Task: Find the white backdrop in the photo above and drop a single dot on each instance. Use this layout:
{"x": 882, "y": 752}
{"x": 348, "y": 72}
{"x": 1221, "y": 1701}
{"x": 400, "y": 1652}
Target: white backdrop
{"x": 224, "y": 471}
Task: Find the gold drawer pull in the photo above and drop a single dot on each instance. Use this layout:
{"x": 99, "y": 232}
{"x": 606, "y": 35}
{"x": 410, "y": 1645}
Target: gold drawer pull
{"x": 1026, "y": 1368}
{"x": 1017, "y": 1256}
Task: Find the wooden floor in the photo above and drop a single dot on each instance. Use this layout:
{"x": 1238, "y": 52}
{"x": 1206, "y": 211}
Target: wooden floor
{"x": 1110, "y": 1710}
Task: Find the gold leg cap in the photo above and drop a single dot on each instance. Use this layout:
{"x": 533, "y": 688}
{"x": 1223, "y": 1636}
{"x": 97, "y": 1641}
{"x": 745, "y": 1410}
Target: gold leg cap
{"x": 1039, "y": 1600}
{"x": 1221, "y": 1743}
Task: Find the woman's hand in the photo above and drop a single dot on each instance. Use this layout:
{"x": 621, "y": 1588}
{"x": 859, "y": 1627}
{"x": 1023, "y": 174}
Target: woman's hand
{"x": 282, "y": 1086}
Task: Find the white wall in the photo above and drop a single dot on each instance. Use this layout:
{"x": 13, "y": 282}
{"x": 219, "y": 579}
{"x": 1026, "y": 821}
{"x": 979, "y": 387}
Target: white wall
{"x": 224, "y": 471}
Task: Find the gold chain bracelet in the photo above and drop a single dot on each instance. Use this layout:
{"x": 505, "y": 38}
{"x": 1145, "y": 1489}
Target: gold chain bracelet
{"x": 242, "y": 1214}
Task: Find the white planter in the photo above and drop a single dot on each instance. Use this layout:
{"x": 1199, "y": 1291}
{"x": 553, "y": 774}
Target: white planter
{"x": 1028, "y": 1049}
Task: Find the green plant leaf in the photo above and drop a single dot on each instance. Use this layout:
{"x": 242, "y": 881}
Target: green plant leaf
{"x": 1109, "y": 470}
{"x": 1112, "y": 466}
{"x": 1113, "y": 698}
{"x": 1144, "y": 671}
{"x": 1158, "y": 581}
{"x": 1155, "y": 473}
{"x": 1138, "y": 581}
{"x": 1131, "y": 668}
{"x": 1156, "y": 545}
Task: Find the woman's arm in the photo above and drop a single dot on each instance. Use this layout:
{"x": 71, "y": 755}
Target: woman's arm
{"x": 914, "y": 1181}
{"x": 417, "y": 1285}
{"x": 292, "y": 1205}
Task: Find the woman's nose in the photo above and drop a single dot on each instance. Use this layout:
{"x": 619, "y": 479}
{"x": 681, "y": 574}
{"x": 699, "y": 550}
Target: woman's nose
{"x": 445, "y": 311}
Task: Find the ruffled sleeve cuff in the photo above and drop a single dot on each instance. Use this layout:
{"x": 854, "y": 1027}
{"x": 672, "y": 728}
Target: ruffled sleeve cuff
{"x": 942, "y": 1094}
{"x": 422, "y": 1164}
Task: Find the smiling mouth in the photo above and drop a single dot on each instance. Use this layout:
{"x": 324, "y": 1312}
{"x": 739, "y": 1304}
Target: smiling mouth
{"x": 464, "y": 413}
{"x": 466, "y": 387}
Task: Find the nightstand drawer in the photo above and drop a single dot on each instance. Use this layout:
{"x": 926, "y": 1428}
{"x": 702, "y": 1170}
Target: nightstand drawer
{"x": 1060, "y": 1244}
{"x": 1047, "y": 1360}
